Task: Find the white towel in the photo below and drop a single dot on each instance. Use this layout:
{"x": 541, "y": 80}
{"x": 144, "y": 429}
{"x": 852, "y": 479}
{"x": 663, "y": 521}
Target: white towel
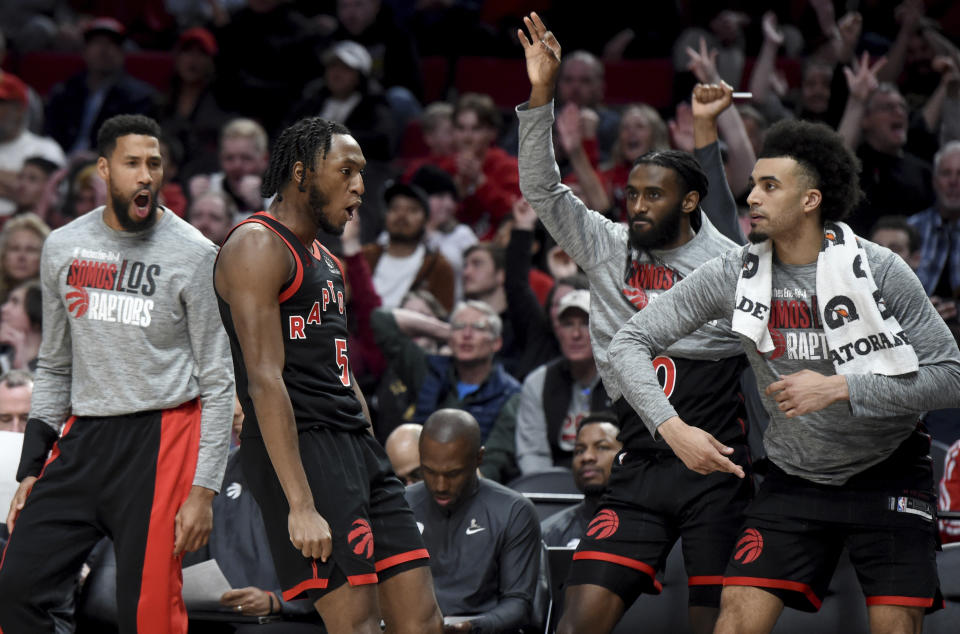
{"x": 862, "y": 335}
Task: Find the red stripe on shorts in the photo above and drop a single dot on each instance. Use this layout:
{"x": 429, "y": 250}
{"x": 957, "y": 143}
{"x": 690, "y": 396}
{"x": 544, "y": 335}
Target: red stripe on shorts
{"x": 402, "y": 558}
{"x": 621, "y": 561}
{"x": 705, "y": 580}
{"x": 309, "y": 584}
{"x": 759, "y": 582}
{"x": 890, "y": 599}
{"x": 362, "y": 580}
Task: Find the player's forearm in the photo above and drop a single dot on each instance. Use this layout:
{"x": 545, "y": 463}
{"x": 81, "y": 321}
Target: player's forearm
{"x": 279, "y": 431}
{"x": 587, "y": 236}
{"x": 594, "y": 193}
{"x": 541, "y": 94}
{"x": 741, "y": 157}
{"x": 932, "y": 387}
{"x": 510, "y": 613}
{"x": 763, "y": 70}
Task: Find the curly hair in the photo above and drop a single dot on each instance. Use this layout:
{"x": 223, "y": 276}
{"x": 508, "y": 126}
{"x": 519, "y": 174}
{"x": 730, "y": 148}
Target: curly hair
{"x": 828, "y": 164}
{"x": 303, "y": 141}
{"x": 122, "y": 125}
{"x": 689, "y": 173}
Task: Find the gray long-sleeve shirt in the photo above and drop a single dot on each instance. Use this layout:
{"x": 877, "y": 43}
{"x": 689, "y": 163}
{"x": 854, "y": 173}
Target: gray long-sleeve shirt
{"x": 600, "y": 247}
{"x": 130, "y": 324}
{"x": 831, "y": 445}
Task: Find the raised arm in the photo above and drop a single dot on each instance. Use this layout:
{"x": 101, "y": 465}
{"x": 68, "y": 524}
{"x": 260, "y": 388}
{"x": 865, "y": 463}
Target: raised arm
{"x": 862, "y": 80}
{"x": 710, "y": 102}
{"x": 764, "y": 70}
{"x": 740, "y": 154}
{"x": 253, "y": 267}
{"x": 585, "y": 235}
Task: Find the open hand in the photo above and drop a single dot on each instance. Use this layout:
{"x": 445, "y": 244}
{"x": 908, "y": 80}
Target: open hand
{"x": 862, "y": 79}
{"x": 703, "y": 63}
{"x": 697, "y": 449}
{"x": 542, "y": 52}
{"x": 771, "y": 30}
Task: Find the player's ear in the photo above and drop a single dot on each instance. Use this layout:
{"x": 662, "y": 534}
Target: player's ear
{"x": 690, "y": 202}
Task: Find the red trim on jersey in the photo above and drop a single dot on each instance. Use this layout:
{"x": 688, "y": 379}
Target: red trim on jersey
{"x": 781, "y": 584}
{"x": 402, "y": 558}
{"x": 160, "y": 606}
{"x": 335, "y": 258}
{"x": 55, "y": 452}
{"x": 889, "y": 599}
{"x": 308, "y": 584}
{"x": 362, "y": 580}
{"x": 705, "y": 580}
{"x": 622, "y": 561}
{"x": 298, "y": 277}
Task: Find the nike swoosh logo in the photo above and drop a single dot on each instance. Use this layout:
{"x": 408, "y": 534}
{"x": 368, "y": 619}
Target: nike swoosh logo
{"x": 473, "y": 530}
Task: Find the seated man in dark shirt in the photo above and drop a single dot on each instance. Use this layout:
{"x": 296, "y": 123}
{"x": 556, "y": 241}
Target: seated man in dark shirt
{"x": 593, "y": 454}
{"x": 483, "y": 538}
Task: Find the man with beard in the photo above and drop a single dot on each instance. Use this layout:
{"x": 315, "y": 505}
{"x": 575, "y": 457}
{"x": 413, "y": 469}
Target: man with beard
{"x": 484, "y": 538}
{"x": 339, "y": 529}
{"x": 133, "y": 377}
{"x": 405, "y": 263}
{"x": 653, "y": 498}
{"x": 593, "y": 454}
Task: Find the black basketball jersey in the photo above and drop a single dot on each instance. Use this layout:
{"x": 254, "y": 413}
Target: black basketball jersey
{"x": 704, "y": 393}
{"x": 314, "y": 323}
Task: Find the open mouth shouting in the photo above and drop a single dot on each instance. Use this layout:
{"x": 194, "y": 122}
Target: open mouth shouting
{"x": 142, "y": 204}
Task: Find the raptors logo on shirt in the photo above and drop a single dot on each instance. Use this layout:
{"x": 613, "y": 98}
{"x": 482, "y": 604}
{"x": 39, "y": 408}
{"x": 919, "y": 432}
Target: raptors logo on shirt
{"x": 105, "y": 288}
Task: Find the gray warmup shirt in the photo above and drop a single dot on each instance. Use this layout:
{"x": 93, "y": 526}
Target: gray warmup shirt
{"x": 829, "y": 446}
{"x": 601, "y": 246}
{"x": 130, "y": 324}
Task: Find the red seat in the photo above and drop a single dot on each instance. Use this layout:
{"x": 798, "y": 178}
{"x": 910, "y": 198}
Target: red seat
{"x": 792, "y": 69}
{"x": 646, "y": 80}
{"x": 44, "y": 69}
{"x": 505, "y": 80}
{"x": 435, "y": 72}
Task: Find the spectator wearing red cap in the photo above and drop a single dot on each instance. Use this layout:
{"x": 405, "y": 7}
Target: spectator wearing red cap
{"x": 17, "y": 143}
{"x": 191, "y": 112}
{"x": 78, "y": 106}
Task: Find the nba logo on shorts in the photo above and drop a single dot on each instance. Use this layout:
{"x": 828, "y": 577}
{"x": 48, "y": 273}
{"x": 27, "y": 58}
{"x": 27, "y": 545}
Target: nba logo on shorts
{"x": 749, "y": 546}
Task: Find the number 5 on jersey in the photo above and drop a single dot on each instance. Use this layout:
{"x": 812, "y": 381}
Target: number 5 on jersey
{"x": 342, "y": 362}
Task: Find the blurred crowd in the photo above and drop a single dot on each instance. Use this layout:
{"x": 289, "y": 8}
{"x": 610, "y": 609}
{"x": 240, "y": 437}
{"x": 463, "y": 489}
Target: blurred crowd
{"x": 458, "y": 296}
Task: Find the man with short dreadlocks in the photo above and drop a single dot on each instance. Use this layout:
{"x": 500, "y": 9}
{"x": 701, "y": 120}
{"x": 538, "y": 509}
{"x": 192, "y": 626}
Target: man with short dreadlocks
{"x": 656, "y": 492}
{"x": 339, "y": 529}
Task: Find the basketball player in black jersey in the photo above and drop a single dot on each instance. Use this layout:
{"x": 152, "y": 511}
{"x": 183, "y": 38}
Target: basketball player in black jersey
{"x": 340, "y": 531}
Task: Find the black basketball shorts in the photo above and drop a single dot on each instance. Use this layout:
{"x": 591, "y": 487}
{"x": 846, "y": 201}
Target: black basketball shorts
{"x": 795, "y": 531}
{"x": 375, "y": 535}
{"x": 651, "y": 500}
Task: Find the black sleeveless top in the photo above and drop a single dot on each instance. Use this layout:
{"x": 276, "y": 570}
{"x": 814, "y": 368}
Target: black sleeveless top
{"x": 314, "y": 324}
